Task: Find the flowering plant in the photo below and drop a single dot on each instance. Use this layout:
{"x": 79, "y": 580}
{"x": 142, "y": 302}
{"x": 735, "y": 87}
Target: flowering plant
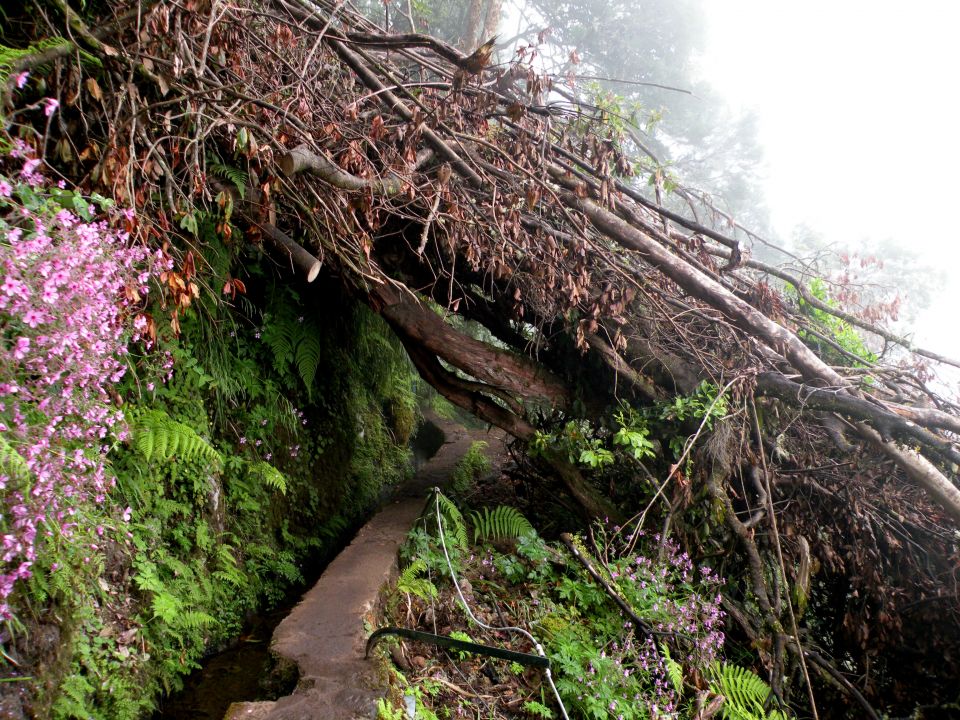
{"x": 71, "y": 288}
{"x": 613, "y": 669}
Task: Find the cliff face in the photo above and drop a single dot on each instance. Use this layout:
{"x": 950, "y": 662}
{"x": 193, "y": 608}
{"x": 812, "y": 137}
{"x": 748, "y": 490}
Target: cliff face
{"x": 272, "y": 429}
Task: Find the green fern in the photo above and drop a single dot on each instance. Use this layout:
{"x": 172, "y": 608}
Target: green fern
{"x": 238, "y": 177}
{"x": 410, "y": 583}
{"x": 455, "y": 524}
{"x": 745, "y": 694}
{"x": 270, "y": 475}
{"x": 195, "y": 619}
{"x": 501, "y": 523}
{"x": 308, "y": 356}
{"x": 293, "y": 341}
{"x": 281, "y": 335}
{"x": 674, "y": 670}
{"x": 9, "y": 57}
{"x": 167, "y": 607}
{"x": 73, "y": 697}
{"x": 11, "y": 461}
{"x": 159, "y": 437}
{"x": 228, "y": 572}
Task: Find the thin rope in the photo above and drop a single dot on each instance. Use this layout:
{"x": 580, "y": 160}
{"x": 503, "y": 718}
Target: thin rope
{"x": 466, "y": 607}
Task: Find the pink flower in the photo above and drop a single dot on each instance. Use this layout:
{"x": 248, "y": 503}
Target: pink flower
{"x": 50, "y": 106}
{"x": 22, "y": 346}
{"x": 33, "y": 318}
{"x": 62, "y": 300}
{"x": 21, "y": 79}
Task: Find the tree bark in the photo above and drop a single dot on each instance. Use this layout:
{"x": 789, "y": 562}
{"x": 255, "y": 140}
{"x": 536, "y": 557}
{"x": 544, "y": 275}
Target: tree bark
{"x": 491, "y": 21}
{"x": 888, "y": 423}
{"x": 516, "y": 374}
{"x": 470, "y": 397}
{"x": 303, "y": 159}
{"x": 473, "y": 26}
{"x": 918, "y": 469}
{"x": 705, "y": 288}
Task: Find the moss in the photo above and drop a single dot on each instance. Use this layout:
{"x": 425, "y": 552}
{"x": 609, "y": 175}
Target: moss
{"x": 209, "y": 543}
{"x": 471, "y": 467}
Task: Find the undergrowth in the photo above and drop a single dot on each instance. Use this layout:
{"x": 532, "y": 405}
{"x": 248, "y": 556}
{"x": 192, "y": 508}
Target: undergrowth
{"x": 470, "y": 468}
{"x": 603, "y": 665}
{"x": 263, "y": 424}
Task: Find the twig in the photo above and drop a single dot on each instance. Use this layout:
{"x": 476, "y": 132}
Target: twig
{"x": 638, "y": 622}
{"x": 783, "y": 569}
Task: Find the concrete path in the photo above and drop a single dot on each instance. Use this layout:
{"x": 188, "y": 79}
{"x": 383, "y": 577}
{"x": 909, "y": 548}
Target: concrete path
{"x": 325, "y": 635}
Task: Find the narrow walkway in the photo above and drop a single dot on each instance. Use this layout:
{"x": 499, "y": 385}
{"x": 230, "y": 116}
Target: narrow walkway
{"x": 325, "y": 635}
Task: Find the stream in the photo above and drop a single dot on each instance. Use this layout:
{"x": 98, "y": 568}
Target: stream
{"x": 243, "y": 671}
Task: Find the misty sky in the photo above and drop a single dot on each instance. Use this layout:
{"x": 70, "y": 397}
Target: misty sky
{"x": 859, "y": 106}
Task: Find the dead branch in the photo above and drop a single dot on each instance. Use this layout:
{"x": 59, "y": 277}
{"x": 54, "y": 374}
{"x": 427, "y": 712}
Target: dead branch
{"x": 303, "y": 159}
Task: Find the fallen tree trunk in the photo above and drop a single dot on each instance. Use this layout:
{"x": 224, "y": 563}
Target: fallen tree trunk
{"x": 472, "y": 397}
{"x": 705, "y": 288}
{"x": 516, "y": 374}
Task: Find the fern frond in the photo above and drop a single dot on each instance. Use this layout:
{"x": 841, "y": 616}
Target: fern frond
{"x": 674, "y": 670}
{"x": 238, "y": 177}
{"x": 270, "y": 475}
{"x": 194, "y": 619}
{"x": 159, "y": 437}
{"x": 455, "y": 525}
{"x": 281, "y": 334}
{"x": 12, "y": 462}
{"x": 501, "y": 523}
{"x": 745, "y": 693}
{"x": 167, "y": 607}
{"x": 147, "y": 577}
{"x": 308, "y": 357}
{"x": 409, "y": 582}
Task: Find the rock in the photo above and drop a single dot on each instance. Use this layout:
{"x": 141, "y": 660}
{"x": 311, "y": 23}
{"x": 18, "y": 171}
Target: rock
{"x": 396, "y": 652}
{"x": 248, "y": 710}
{"x": 429, "y": 617}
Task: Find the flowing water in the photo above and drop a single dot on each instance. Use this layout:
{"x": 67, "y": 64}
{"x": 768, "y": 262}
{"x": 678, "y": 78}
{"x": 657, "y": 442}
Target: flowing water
{"x": 244, "y": 671}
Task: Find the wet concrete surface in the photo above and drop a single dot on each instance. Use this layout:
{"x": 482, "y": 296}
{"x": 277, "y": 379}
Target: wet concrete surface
{"x": 324, "y": 635}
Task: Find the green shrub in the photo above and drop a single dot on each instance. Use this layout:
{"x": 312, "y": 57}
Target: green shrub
{"x": 471, "y": 467}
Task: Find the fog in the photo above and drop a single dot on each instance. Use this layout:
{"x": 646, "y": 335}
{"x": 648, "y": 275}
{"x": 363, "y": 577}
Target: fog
{"x": 857, "y": 105}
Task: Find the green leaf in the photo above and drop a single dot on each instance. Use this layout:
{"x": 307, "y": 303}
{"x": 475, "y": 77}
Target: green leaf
{"x": 159, "y": 437}
{"x": 270, "y": 475}
{"x": 501, "y": 523}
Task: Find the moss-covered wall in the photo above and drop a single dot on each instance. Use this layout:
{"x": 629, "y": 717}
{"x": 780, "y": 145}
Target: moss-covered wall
{"x": 271, "y": 428}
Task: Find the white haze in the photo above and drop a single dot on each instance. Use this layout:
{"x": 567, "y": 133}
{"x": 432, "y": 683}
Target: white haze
{"x": 859, "y": 107}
